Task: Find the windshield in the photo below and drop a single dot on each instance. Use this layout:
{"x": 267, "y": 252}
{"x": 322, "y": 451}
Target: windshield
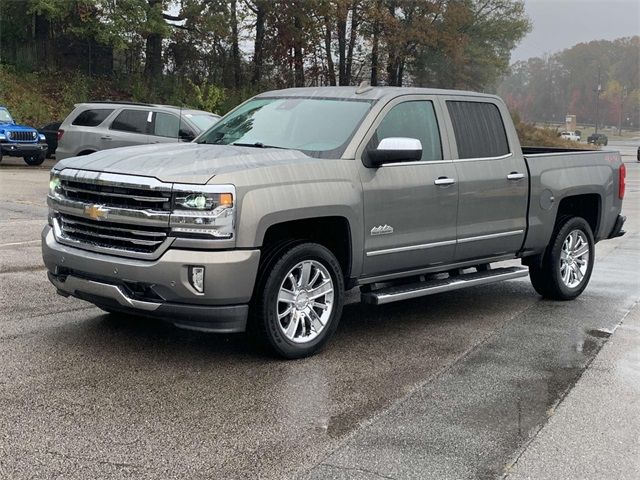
{"x": 202, "y": 121}
{"x": 4, "y": 116}
{"x": 320, "y": 127}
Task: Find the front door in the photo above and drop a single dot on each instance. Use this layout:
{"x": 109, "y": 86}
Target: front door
{"x": 409, "y": 207}
{"x": 492, "y": 179}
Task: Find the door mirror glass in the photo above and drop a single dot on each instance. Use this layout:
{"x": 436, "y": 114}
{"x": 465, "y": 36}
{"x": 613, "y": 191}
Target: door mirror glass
{"x": 395, "y": 149}
{"x": 186, "y": 135}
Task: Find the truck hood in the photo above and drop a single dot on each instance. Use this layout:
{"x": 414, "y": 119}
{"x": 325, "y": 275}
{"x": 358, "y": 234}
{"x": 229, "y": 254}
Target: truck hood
{"x": 183, "y": 162}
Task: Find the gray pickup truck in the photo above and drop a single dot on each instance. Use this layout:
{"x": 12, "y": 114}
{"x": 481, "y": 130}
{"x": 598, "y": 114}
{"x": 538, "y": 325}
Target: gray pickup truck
{"x": 266, "y": 219}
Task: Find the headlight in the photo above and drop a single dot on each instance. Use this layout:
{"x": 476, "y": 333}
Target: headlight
{"x": 42, "y": 137}
{"x": 203, "y": 212}
{"x": 54, "y": 183}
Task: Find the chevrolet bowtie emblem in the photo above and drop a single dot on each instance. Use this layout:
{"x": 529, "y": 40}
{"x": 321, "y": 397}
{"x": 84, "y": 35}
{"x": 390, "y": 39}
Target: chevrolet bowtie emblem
{"x": 95, "y": 212}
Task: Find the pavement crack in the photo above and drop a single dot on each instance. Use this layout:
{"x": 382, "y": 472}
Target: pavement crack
{"x": 91, "y": 459}
{"x": 359, "y": 470}
{"x": 32, "y": 268}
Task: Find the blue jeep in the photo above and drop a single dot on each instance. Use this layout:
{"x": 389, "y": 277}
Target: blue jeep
{"x": 20, "y": 140}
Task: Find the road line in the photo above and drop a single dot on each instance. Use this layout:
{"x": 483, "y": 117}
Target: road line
{"x": 18, "y": 243}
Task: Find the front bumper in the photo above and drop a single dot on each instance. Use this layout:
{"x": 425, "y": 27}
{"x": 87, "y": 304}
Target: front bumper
{"x": 22, "y": 149}
{"x": 158, "y": 288}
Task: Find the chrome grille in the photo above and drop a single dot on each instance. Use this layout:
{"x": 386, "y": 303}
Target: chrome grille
{"x": 116, "y": 196}
{"x": 21, "y": 136}
{"x": 112, "y": 213}
{"x": 111, "y": 235}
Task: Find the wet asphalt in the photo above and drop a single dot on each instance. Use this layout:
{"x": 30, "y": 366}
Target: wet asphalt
{"x": 448, "y": 386}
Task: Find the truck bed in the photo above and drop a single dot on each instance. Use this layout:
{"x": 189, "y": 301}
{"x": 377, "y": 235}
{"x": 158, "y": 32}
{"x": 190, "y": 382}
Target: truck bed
{"x": 545, "y": 150}
{"x": 556, "y": 174}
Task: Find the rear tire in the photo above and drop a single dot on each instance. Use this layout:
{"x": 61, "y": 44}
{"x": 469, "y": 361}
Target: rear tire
{"x": 565, "y": 268}
{"x": 298, "y": 301}
{"x": 34, "y": 160}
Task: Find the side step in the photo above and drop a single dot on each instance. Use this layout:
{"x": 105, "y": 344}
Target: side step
{"x": 421, "y": 289}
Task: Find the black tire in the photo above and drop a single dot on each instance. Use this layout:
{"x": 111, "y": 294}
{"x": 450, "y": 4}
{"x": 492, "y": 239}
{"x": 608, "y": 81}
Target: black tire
{"x": 265, "y": 325}
{"x": 34, "y": 160}
{"x": 546, "y": 274}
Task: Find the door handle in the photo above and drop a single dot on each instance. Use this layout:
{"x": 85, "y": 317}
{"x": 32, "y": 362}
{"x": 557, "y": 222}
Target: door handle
{"x": 105, "y": 137}
{"x": 515, "y": 176}
{"x": 444, "y": 181}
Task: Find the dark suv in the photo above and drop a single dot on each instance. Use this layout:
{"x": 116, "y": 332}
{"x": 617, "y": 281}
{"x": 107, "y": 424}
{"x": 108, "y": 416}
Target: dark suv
{"x": 598, "y": 139}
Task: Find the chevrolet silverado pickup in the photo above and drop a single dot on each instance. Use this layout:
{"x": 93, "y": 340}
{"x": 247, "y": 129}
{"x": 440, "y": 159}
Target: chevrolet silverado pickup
{"x": 265, "y": 220}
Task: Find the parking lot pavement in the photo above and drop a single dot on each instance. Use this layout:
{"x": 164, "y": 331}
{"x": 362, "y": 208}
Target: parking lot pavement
{"x": 449, "y": 386}
{"x": 595, "y": 432}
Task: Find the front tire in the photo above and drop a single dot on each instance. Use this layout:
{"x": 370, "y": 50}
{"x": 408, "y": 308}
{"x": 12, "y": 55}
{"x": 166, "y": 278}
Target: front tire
{"x": 565, "y": 268}
{"x": 34, "y": 160}
{"x": 299, "y": 300}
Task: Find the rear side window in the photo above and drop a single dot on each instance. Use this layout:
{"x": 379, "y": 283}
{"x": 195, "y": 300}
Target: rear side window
{"x": 479, "y": 129}
{"x": 134, "y": 121}
{"x": 92, "y": 118}
{"x": 414, "y": 119}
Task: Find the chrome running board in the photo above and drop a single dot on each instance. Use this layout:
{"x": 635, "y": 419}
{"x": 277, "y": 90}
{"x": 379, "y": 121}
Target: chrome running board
{"x": 430, "y": 287}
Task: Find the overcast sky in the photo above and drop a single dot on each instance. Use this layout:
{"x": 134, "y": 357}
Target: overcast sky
{"x": 560, "y": 24}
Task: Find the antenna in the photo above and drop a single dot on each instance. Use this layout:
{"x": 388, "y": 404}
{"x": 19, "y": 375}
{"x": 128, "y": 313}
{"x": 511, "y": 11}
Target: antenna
{"x": 363, "y": 87}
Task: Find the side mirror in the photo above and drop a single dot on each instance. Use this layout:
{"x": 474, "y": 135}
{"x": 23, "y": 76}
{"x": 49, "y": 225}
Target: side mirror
{"x": 394, "y": 149}
{"x": 187, "y": 136}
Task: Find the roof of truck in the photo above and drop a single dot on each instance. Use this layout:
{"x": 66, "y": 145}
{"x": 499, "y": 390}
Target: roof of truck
{"x": 367, "y": 93}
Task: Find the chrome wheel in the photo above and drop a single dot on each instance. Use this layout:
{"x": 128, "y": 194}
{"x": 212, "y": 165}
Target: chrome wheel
{"x": 574, "y": 258}
{"x": 305, "y": 301}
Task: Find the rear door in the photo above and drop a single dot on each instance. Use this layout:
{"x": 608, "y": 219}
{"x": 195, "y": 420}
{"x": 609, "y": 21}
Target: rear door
{"x": 492, "y": 178}
{"x": 409, "y": 207}
{"x": 129, "y": 127}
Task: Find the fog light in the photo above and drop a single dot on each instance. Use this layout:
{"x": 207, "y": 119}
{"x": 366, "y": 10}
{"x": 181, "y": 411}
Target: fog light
{"x": 196, "y": 277}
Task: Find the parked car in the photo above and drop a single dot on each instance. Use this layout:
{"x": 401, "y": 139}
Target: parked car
{"x": 297, "y": 195}
{"x": 20, "y": 140}
{"x": 50, "y": 132}
{"x": 96, "y": 126}
{"x": 598, "y": 139}
{"x": 573, "y": 136}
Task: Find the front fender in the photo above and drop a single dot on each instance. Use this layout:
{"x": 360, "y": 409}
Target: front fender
{"x": 270, "y": 205}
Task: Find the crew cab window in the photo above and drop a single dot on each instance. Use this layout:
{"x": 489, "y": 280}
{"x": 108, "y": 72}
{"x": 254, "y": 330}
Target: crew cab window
{"x": 134, "y": 121}
{"x": 479, "y": 129}
{"x": 414, "y": 119}
{"x": 92, "y": 118}
{"x": 166, "y": 125}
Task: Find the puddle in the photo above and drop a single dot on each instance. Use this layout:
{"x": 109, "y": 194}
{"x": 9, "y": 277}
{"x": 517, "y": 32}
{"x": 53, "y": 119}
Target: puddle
{"x": 600, "y": 333}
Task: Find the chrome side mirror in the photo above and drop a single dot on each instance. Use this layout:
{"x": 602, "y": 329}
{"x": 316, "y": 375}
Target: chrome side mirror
{"x": 394, "y": 149}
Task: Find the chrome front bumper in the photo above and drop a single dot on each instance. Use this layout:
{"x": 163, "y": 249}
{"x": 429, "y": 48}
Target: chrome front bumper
{"x": 158, "y": 288}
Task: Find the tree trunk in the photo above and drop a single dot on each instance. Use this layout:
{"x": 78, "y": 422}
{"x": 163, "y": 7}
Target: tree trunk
{"x": 258, "y": 45}
{"x": 331, "y": 70}
{"x": 235, "y": 50}
{"x": 341, "y": 22}
{"x": 375, "y": 42}
{"x": 352, "y": 41}
{"x": 298, "y": 60}
{"x": 153, "y": 55}
{"x": 153, "y": 47}
{"x": 42, "y": 41}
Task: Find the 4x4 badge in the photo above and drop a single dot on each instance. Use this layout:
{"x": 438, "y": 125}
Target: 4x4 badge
{"x": 382, "y": 230}
{"x": 95, "y": 212}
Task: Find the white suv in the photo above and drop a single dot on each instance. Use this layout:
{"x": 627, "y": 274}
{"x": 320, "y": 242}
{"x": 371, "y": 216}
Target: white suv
{"x": 101, "y": 125}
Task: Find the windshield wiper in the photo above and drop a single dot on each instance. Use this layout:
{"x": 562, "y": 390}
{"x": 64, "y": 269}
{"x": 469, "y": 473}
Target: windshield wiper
{"x": 258, "y": 145}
